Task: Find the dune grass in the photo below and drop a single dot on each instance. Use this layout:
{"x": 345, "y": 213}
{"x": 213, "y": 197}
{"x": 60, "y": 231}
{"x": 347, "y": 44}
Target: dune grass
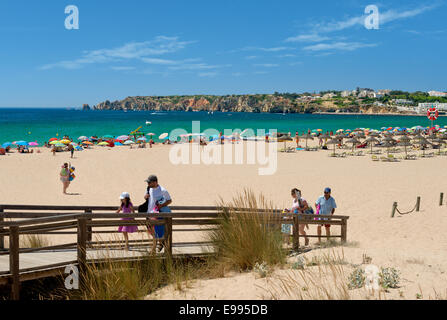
{"x": 244, "y": 238}
{"x": 34, "y": 241}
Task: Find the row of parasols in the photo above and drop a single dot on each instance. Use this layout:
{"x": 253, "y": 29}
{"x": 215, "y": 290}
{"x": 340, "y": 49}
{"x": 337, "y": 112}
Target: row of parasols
{"x": 387, "y": 139}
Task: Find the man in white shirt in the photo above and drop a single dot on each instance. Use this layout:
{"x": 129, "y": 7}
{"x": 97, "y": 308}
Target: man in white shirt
{"x": 159, "y": 200}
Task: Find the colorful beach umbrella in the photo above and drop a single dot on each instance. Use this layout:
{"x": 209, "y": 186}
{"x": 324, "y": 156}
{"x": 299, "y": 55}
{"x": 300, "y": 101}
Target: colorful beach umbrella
{"x": 150, "y": 134}
{"x": 103, "y": 143}
{"x": 87, "y": 142}
{"x": 163, "y": 136}
{"x": 128, "y": 142}
{"x": 33, "y": 144}
{"x": 83, "y": 138}
{"x": 122, "y": 138}
{"x": 53, "y": 139}
{"x": 65, "y": 141}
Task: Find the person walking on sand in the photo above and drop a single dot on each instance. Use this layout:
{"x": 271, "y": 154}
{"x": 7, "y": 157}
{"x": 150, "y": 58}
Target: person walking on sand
{"x": 159, "y": 200}
{"x": 127, "y": 207}
{"x": 327, "y": 207}
{"x": 71, "y": 149}
{"x": 65, "y": 177}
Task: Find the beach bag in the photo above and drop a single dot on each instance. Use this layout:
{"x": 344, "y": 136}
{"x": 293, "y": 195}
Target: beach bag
{"x": 143, "y": 207}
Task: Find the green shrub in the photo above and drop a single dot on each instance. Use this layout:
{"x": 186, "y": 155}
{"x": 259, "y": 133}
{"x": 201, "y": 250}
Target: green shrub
{"x": 356, "y": 278}
{"x": 389, "y": 277}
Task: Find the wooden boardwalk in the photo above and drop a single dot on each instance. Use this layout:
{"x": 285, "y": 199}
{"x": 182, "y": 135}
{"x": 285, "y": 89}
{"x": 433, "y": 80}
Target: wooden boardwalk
{"x": 18, "y": 264}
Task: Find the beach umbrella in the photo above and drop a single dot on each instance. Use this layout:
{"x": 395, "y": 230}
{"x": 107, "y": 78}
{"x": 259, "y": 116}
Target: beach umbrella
{"x": 118, "y": 144}
{"x": 142, "y": 139}
{"x": 371, "y": 141}
{"x": 150, "y": 134}
{"x": 122, "y": 138}
{"x": 59, "y": 145}
{"x": 285, "y": 139}
{"x": 422, "y": 141}
{"x": 65, "y": 141}
{"x": 339, "y": 130}
{"x": 33, "y": 144}
{"x": 354, "y": 141}
{"x": 307, "y": 136}
{"x": 6, "y": 144}
{"x": 163, "y": 136}
{"x": 405, "y": 144}
{"x": 128, "y": 142}
{"x": 390, "y": 140}
{"x": 103, "y": 143}
{"x": 53, "y": 139}
{"x": 20, "y": 143}
{"x": 387, "y": 145}
{"x": 83, "y": 138}
{"x": 87, "y": 142}
{"x": 54, "y": 142}
{"x": 334, "y": 142}
{"x": 374, "y": 134}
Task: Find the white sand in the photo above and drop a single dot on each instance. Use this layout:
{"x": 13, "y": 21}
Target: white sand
{"x": 364, "y": 190}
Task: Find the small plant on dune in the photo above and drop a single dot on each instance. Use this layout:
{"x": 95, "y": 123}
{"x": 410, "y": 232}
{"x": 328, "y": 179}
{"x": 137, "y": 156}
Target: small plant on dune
{"x": 246, "y": 237}
{"x": 389, "y": 277}
{"x": 299, "y": 263}
{"x": 357, "y": 278}
{"x": 262, "y": 269}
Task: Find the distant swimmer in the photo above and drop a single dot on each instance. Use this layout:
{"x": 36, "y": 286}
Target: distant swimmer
{"x": 148, "y": 123}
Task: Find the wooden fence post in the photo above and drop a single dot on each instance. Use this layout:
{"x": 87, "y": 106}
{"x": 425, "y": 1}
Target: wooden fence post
{"x": 441, "y": 198}
{"x": 168, "y": 237}
{"x": 2, "y": 237}
{"x": 89, "y": 228}
{"x": 296, "y": 241}
{"x": 344, "y": 230}
{"x": 418, "y": 204}
{"x": 82, "y": 245}
{"x": 393, "y": 211}
{"x": 14, "y": 269}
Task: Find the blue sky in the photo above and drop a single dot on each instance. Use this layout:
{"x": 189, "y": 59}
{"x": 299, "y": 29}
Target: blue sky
{"x": 136, "y": 47}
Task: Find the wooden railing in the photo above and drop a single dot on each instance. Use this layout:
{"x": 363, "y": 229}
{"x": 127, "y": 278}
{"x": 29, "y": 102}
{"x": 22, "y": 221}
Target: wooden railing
{"x": 84, "y": 221}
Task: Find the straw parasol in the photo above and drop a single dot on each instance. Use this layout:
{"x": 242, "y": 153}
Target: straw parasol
{"x": 387, "y": 145}
{"x": 405, "y": 144}
{"x": 307, "y": 136}
{"x": 370, "y": 141}
{"x": 334, "y": 142}
{"x": 354, "y": 141}
{"x": 422, "y": 141}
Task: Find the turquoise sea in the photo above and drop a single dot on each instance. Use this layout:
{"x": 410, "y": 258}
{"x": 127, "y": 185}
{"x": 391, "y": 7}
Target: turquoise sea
{"x": 42, "y": 124}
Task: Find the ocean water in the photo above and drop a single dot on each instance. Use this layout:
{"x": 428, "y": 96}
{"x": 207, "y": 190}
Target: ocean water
{"x": 42, "y": 124}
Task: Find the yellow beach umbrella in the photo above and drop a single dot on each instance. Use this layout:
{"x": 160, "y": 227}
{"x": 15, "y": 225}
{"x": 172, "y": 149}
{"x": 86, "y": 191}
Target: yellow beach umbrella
{"x": 55, "y": 142}
{"x": 65, "y": 141}
{"x": 103, "y": 144}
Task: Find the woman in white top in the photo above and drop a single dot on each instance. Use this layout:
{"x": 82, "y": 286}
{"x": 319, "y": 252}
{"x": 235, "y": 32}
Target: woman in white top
{"x": 300, "y": 206}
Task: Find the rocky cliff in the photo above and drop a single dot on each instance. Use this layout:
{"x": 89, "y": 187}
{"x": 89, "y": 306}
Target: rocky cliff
{"x": 273, "y": 103}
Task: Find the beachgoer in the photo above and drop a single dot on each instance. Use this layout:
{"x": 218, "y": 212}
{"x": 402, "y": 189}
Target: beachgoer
{"x": 327, "y": 207}
{"x": 65, "y": 176}
{"x": 53, "y": 149}
{"x": 159, "y": 200}
{"x": 127, "y": 207}
{"x": 151, "y": 142}
{"x": 71, "y": 149}
{"x": 297, "y": 139}
{"x": 300, "y": 206}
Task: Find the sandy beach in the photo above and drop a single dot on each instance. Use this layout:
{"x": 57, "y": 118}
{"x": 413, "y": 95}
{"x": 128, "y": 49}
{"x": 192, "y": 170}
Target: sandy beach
{"x": 364, "y": 190}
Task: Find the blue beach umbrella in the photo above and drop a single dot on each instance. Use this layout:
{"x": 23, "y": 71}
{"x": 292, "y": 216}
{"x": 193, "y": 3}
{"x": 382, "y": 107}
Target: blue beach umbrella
{"x": 118, "y": 144}
{"x": 21, "y": 143}
{"x": 6, "y": 144}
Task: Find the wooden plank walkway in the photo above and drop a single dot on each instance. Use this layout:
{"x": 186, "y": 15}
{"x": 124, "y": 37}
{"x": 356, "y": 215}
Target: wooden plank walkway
{"x": 42, "y": 261}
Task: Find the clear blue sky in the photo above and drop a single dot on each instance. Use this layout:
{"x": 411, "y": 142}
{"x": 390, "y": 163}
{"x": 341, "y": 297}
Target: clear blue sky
{"x": 136, "y": 47}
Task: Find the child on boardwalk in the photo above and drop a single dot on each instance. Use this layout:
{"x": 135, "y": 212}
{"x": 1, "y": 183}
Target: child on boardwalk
{"x": 127, "y": 207}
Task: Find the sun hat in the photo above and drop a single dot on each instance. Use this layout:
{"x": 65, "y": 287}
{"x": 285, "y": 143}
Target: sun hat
{"x": 328, "y": 190}
{"x": 124, "y": 195}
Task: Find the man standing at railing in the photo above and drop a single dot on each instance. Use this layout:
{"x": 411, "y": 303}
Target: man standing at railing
{"x": 159, "y": 200}
{"x": 327, "y": 207}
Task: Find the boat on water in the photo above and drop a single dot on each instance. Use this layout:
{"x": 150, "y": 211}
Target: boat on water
{"x": 148, "y": 123}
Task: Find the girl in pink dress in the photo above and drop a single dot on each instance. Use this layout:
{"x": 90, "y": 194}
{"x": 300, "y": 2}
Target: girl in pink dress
{"x": 127, "y": 207}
